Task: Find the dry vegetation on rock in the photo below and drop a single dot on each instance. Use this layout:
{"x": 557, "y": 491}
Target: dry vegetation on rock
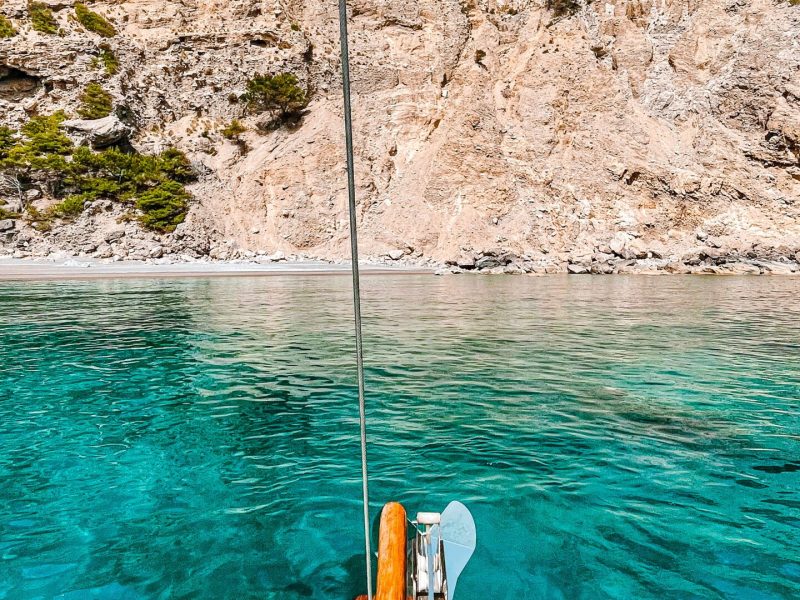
{"x": 7, "y": 29}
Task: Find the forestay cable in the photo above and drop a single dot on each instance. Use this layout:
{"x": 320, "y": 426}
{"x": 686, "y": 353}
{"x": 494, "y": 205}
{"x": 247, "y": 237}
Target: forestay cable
{"x": 351, "y": 191}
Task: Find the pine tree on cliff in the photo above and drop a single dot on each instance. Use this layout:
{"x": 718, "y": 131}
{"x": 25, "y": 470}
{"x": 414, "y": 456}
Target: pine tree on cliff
{"x": 279, "y": 94}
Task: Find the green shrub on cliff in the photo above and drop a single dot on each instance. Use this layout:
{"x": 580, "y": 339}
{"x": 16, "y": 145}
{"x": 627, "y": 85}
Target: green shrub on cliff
{"x": 153, "y": 183}
{"x": 44, "y": 134}
{"x": 41, "y": 144}
{"x": 40, "y": 155}
{"x": 37, "y": 154}
{"x": 69, "y": 208}
{"x": 42, "y": 19}
{"x": 8, "y": 138}
{"x": 6, "y": 28}
{"x": 279, "y": 94}
{"x": 164, "y": 206}
{"x": 175, "y": 166}
{"x": 233, "y": 130}
{"x": 108, "y": 59}
{"x": 118, "y": 175}
{"x": 96, "y": 103}
{"x": 93, "y": 22}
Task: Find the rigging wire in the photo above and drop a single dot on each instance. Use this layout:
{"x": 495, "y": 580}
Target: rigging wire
{"x": 351, "y": 191}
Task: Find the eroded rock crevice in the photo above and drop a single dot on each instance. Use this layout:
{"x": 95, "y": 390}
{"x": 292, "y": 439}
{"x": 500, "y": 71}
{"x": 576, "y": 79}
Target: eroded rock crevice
{"x": 17, "y": 85}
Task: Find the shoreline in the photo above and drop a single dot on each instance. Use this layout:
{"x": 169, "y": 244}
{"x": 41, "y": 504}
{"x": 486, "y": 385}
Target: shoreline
{"x": 15, "y": 269}
{"x": 73, "y": 268}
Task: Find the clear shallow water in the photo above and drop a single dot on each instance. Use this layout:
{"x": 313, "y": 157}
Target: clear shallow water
{"x": 615, "y": 437}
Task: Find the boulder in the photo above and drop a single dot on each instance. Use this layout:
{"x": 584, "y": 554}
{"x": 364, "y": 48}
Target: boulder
{"x": 713, "y": 255}
{"x": 577, "y": 269}
{"x": 491, "y": 259}
{"x": 98, "y": 133}
{"x": 601, "y": 269}
{"x": 618, "y": 246}
{"x": 115, "y": 235}
{"x": 602, "y": 257}
{"x": 181, "y": 229}
{"x": 218, "y": 253}
{"x": 636, "y": 249}
{"x": 7, "y": 224}
{"x": 676, "y": 268}
{"x": 692, "y": 258}
{"x": 465, "y": 262}
{"x": 508, "y": 257}
{"x": 743, "y": 269}
{"x": 487, "y": 262}
{"x": 776, "y": 268}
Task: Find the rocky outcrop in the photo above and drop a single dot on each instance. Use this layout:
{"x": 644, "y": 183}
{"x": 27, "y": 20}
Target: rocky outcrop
{"x": 633, "y": 135}
{"x": 98, "y": 133}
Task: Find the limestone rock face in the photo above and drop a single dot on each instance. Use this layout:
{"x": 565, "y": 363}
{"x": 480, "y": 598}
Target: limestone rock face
{"x": 481, "y": 125}
{"x": 98, "y": 133}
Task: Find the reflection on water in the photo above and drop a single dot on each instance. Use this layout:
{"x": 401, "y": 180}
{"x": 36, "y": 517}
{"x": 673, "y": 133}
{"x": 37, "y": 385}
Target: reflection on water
{"x": 614, "y": 437}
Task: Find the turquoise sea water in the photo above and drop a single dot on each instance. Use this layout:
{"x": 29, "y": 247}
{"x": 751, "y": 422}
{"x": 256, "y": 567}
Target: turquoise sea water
{"x": 614, "y": 437}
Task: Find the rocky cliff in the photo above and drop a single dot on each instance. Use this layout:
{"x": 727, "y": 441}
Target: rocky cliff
{"x": 501, "y": 135}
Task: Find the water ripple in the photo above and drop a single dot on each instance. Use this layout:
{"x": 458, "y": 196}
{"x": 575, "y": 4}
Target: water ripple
{"x": 615, "y": 437}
